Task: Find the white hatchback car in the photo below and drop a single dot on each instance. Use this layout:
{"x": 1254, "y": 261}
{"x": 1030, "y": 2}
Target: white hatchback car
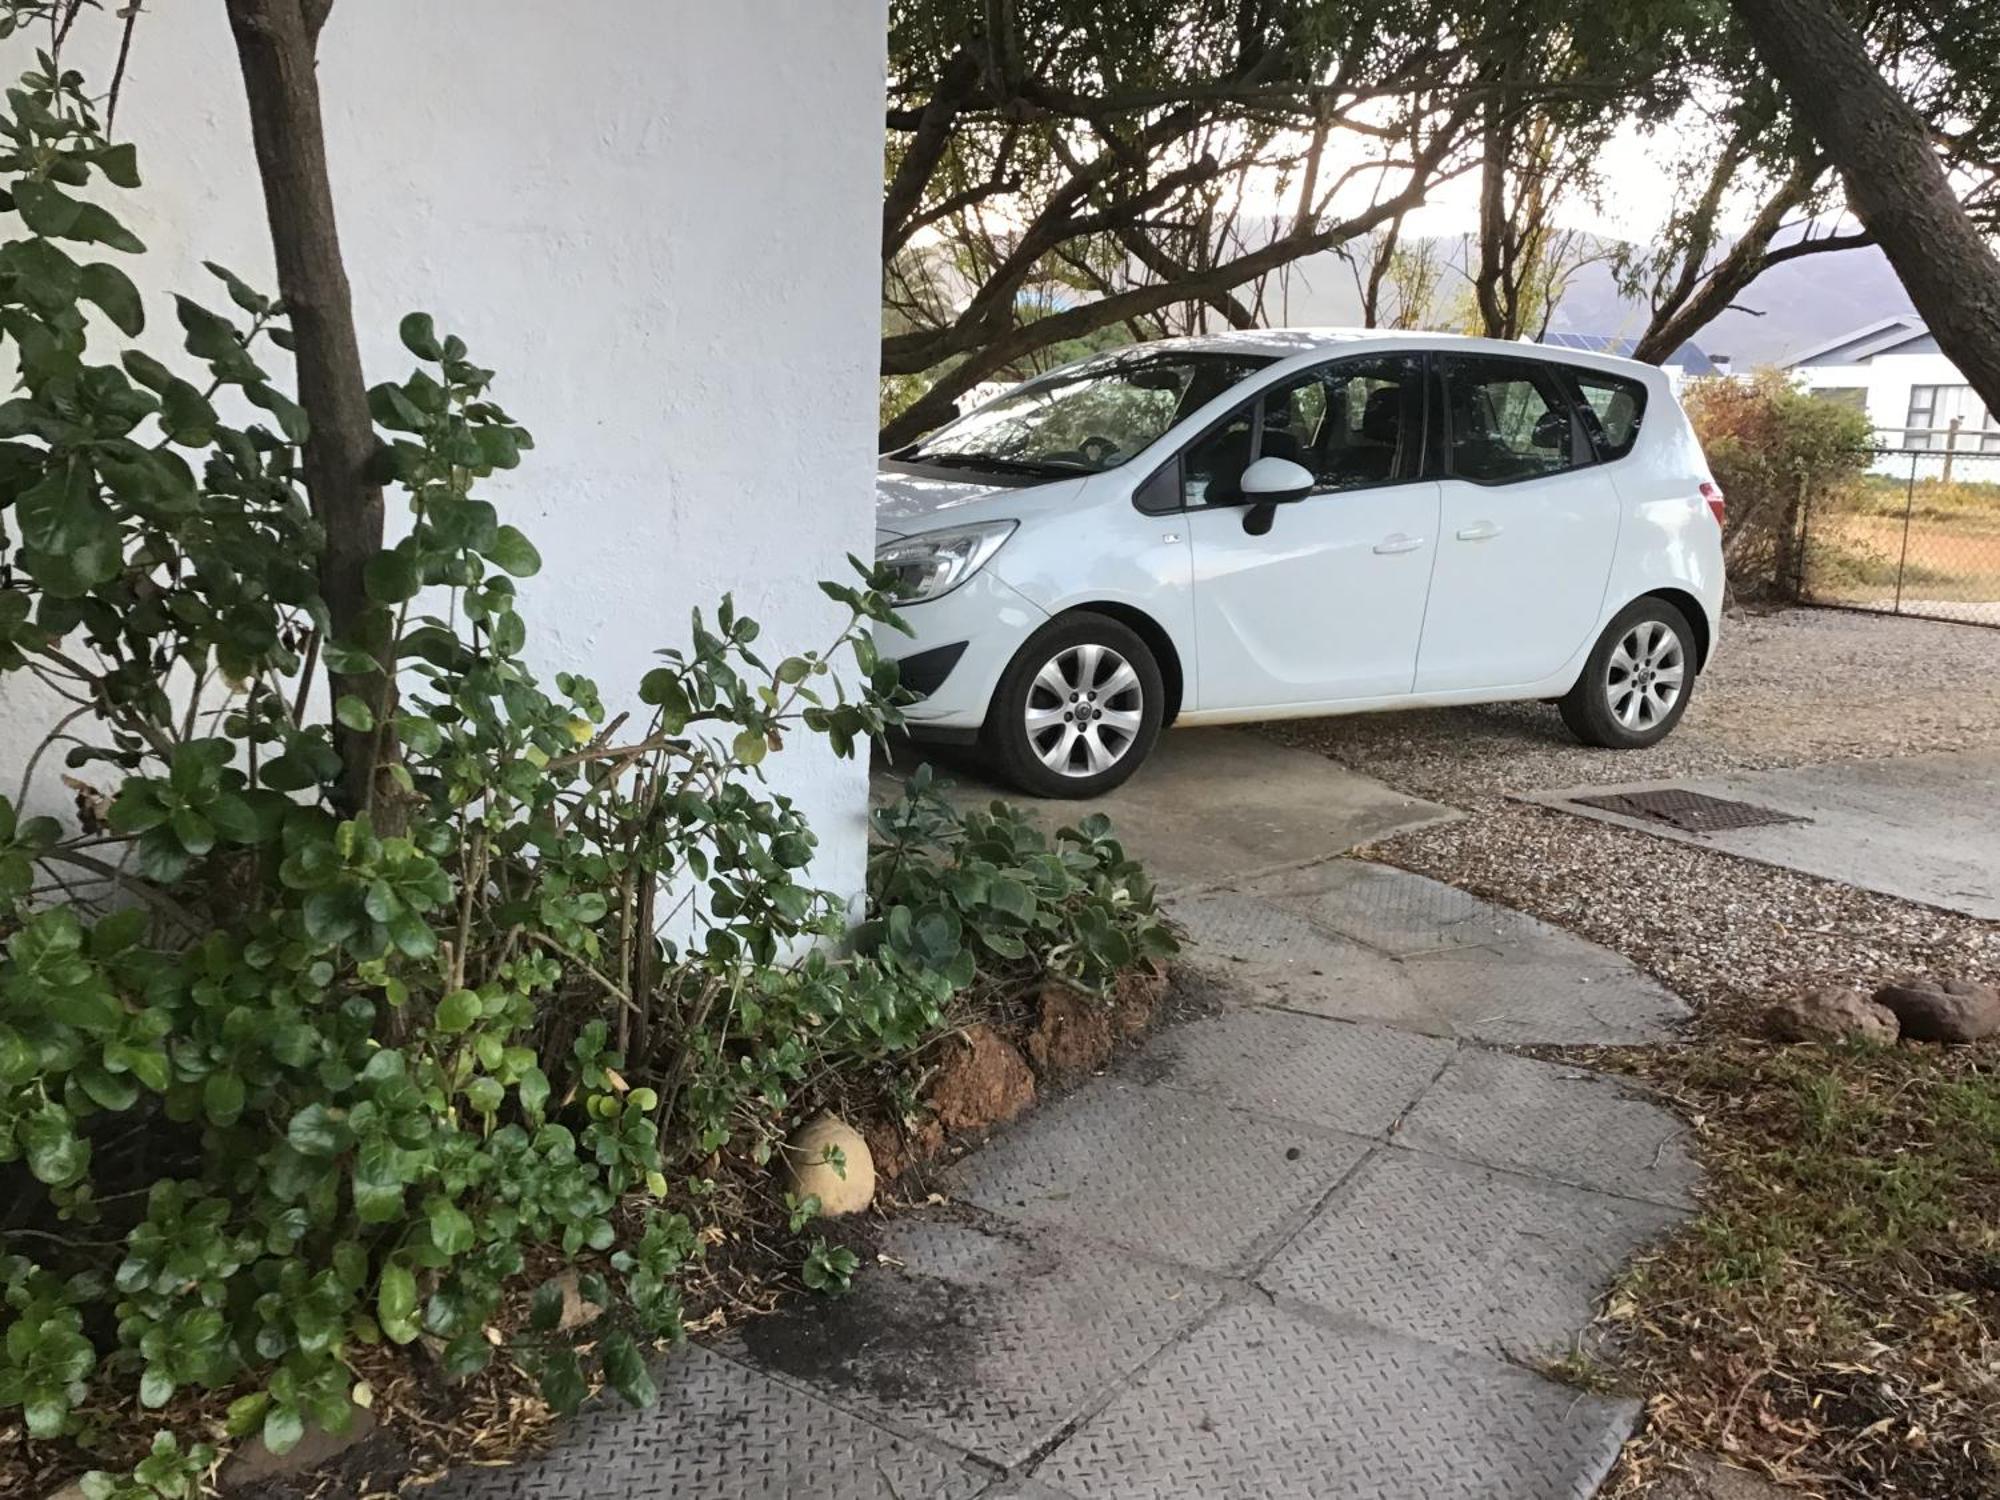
{"x": 1300, "y": 522}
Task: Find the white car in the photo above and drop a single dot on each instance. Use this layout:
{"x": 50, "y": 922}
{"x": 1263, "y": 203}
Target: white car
{"x": 1297, "y": 523}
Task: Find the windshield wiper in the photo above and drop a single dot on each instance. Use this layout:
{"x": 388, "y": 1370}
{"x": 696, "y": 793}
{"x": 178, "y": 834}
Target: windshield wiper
{"x": 998, "y": 462}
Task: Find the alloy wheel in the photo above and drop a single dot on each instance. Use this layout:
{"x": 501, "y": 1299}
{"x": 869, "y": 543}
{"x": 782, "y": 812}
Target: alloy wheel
{"x": 1646, "y": 675}
{"x": 1084, "y": 710}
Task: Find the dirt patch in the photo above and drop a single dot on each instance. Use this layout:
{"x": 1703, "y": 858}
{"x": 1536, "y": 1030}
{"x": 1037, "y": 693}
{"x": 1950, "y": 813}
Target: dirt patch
{"x": 984, "y": 1081}
{"x": 905, "y": 1346}
{"x": 1074, "y": 1036}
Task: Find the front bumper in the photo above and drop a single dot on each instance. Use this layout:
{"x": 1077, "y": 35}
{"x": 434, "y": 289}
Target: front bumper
{"x": 984, "y": 616}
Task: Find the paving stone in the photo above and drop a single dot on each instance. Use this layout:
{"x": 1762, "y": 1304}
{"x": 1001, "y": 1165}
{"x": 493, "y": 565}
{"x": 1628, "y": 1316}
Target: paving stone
{"x": 720, "y": 1429}
{"x": 1269, "y": 954}
{"x": 1263, "y": 1404}
{"x": 1529, "y": 983}
{"x": 1163, "y": 1171}
{"x": 1463, "y": 1255}
{"x": 989, "y": 1339}
{"x": 1556, "y": 1122}
{"x": 1356, "y": 1078}
{"x": 1524, "y": 992}
{"x": 1392, "y": 909}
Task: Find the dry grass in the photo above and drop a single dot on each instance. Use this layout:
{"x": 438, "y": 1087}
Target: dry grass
{"x": 1831, "y": 1319}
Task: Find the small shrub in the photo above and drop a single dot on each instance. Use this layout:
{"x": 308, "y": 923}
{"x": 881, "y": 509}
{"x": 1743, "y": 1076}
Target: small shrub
{"x": 829, "y": 1269}
{"x": 1771, "y": 446}
{"x": 987, "y": 892}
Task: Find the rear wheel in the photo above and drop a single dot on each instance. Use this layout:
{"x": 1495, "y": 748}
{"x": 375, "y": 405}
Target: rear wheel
{"x": 1635, "y": 686}
{"x": 1077, "y": 709}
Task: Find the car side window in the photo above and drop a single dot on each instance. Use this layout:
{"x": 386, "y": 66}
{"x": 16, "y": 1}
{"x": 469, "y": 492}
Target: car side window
{"x": 1352, "y": 423}
{"x": 1507, "y": 419}
{"x": 1611, "y": 406}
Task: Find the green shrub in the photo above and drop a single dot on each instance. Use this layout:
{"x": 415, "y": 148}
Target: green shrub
{"x": 1771, "y": 446}
{"x": 986, "y": 892}
{"x": 280, "y": 1077}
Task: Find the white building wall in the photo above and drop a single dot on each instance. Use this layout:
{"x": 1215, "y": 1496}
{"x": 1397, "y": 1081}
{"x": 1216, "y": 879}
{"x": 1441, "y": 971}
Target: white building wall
{"x": 656, "y": 219}
{"x": 1887, "y": 378}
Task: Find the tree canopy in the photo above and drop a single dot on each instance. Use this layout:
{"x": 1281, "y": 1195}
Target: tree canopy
{"x": 1061, "y": 173}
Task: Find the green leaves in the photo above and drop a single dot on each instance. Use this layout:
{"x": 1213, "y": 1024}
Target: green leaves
{"x": 457, "y": 1011}
{"x": 396, "y": 1303}
{"x": 353, "y": 713}
{"x": 112, "y": 290}
{"x": 419, "y": 336}
{"x": 451, "y": 1227}
{"x": 515, "y": 553}
{"x": 318, "y": 1131}
{"x": 625, "y": 1369}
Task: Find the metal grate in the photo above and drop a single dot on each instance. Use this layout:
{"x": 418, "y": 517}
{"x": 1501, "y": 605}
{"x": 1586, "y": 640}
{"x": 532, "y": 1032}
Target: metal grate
{"x": 1691, "y": 812}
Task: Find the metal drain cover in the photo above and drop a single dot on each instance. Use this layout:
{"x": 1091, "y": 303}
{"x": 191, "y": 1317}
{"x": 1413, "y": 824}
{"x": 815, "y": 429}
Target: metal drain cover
{"x": 1691, "y": 812}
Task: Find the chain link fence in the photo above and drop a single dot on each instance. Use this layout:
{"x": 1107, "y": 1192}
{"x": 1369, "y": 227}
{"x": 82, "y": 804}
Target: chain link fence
{"x": 1918, "y": 533}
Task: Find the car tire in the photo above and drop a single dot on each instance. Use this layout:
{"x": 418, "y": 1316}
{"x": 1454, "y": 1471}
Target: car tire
{"x": 1077, "y": 710}
{"x": 1638, "y": 680}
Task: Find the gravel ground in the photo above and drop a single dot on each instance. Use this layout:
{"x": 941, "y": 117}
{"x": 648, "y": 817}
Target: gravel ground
{"x": 1791, "y": 688}
{"x": 1725, "y": 934}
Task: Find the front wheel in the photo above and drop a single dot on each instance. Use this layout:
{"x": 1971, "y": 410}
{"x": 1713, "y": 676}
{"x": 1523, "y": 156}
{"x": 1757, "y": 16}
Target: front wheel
{"x": 1077, "y": 709}
{"x": 1635, "y": 686}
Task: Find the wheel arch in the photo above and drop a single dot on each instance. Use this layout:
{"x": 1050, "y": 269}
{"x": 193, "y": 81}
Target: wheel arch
{"x": 1157, "y": 641}
{"x": 1694, "y": 614}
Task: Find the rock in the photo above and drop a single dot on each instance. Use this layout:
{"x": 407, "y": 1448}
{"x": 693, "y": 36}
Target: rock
{"x": 844, "y": 1190}
{"x": 1074, "y": 1036}
{"x": 253, "y": 1463}
{"x": 1942, "y": 1010}
{"x": 1828, "y": 1014}
{"x": 984, "y": 1082}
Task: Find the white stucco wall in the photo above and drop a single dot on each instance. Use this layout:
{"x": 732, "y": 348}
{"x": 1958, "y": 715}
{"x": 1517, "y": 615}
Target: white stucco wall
{"x": 656, "y": 219}
{"x": 1887, "y": 378}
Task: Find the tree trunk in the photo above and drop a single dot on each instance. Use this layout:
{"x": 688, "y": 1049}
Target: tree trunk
{"x": 275, "y": 45}
{"x": 1895, "y": 183}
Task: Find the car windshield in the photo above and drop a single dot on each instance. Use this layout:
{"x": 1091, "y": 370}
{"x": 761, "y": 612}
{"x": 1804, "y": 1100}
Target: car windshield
{"x": 1086, "y": 419}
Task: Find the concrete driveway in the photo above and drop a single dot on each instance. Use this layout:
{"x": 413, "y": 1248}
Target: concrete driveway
{"x": 1212, "y": 805}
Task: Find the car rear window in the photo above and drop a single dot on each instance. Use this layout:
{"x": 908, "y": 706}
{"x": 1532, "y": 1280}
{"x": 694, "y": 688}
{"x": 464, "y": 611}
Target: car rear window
{"x": 1612, "y": 406}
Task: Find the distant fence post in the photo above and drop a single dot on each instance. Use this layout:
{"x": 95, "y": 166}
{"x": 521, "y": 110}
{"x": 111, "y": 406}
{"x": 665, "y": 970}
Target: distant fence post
{"x": 1909, "y": 508}
{"x": 1801, "y": 541}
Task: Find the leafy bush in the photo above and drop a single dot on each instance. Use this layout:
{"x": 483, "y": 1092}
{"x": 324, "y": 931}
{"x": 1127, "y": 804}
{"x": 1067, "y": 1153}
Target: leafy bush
{"x": 1771, "y": 446}
{"x": 987, "y": 892}
{"x": 280, "y": 1076}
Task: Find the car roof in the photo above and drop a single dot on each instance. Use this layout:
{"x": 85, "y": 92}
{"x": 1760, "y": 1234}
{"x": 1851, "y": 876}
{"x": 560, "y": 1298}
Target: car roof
{"x": 1286, "y": 343}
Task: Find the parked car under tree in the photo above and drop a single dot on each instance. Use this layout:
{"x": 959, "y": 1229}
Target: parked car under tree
{"x": 1299, "y": 523}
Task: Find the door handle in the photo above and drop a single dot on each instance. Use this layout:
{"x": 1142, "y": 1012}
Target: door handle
{"x": 1478, "y": 531}
{"x": 1398, "y": 543}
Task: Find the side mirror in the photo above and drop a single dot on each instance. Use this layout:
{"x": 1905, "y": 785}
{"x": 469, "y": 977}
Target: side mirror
{"x": 1268, "y": 484}
{"x": 1275, "y": 481}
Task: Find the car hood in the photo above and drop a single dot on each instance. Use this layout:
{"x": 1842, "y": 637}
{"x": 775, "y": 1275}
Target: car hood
{"x": 906, "y": 503}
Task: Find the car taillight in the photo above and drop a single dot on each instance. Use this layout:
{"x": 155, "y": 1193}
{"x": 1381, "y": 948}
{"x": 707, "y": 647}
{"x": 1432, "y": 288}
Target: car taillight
{"x": 1712, "y": 493}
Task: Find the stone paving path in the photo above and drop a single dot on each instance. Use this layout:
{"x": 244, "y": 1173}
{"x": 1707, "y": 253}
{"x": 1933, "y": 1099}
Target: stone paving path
{"x": 1306, "y": 1246}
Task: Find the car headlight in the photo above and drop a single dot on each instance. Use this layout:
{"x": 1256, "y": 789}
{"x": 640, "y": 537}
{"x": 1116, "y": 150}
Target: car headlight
{"x": 934, "y": 563}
